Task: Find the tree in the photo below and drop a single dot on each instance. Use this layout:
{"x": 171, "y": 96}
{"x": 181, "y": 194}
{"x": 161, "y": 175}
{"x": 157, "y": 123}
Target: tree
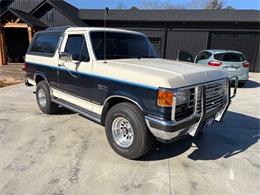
{"x": 194, "y": 4}
{"x": 214, "y": 4}
{"x": 208, "y": 4}
{"x": 229, "y": 7}
{"x": 158, "y": 4}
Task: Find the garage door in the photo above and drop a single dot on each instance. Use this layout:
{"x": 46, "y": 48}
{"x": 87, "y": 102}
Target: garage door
{"x": 244, "y": 42}
{"x": 191, "y": 42}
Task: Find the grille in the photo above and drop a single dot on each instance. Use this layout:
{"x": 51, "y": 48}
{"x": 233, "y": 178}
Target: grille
{"x": 199, "y": 108}
{"x": 216, "y": 95}
{"x": 215, "y": 98}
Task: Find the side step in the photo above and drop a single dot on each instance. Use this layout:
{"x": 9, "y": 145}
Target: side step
{"x": 86, "y": 113}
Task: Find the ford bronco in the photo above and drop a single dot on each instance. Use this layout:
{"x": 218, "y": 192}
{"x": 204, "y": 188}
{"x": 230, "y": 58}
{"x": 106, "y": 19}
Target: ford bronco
{"x": 117, "y": 79}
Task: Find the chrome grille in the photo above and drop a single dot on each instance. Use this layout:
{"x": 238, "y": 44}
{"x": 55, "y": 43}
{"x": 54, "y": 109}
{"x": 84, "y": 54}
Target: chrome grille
{"x": 199, "y": 108}
{"x": 216, "y": 95}
{"x": 204, "y": 98}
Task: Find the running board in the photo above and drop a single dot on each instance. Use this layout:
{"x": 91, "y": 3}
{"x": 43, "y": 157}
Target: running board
{"x": 86, "y": 113}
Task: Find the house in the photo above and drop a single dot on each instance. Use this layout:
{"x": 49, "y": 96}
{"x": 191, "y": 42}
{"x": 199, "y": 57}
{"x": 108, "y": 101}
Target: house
{"x": 169, "y": 30}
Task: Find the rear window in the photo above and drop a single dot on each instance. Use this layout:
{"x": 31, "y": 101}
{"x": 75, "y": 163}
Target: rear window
{"x": 45, "y": 43}
{"x": 230, "y": 57}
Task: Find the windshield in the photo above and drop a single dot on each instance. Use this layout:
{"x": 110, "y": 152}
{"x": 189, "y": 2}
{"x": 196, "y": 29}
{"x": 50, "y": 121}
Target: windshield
{"x": 230, "y": 57}
{"x": 122, "y": 45}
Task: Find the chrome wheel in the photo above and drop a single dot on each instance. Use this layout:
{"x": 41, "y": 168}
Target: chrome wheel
{"x": 123, "y": 132}
{"x": 42, "y": 97}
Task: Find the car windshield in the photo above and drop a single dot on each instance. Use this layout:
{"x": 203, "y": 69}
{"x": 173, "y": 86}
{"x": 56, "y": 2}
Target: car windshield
{"x": 230, "y": 57}
{"x": 121, "y": 45}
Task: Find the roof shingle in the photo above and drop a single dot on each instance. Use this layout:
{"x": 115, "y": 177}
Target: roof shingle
{"x": 173, "y": 15}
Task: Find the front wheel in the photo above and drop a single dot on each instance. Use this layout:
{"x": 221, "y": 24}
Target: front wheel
{"x": 127, "y": 132}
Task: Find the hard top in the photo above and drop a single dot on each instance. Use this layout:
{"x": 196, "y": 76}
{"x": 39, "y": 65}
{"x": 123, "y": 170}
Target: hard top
{"x": 63, "y": 29}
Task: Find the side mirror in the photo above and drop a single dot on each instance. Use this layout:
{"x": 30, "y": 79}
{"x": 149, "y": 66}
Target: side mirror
{"x": 67, "y": 57}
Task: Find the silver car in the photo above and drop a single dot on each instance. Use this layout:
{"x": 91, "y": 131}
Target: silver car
{"x": 233, "y": 62}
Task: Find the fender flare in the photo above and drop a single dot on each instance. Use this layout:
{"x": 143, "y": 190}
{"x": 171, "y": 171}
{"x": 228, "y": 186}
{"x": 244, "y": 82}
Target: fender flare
{"x": 123, "y": 97}
{"x": 105, "y": 105}
{"x": 41, "y": 75}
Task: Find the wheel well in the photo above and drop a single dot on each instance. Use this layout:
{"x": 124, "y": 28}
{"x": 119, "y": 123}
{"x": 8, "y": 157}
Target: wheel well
{"x": 112, "y": 102}
{"x": 38, "y": 78}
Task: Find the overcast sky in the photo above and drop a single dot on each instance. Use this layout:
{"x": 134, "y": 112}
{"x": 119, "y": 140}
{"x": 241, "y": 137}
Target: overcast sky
{"x": 89, "y": 4}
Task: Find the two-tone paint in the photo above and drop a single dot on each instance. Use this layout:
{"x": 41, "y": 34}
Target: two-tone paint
{"x": 93, "y": 84}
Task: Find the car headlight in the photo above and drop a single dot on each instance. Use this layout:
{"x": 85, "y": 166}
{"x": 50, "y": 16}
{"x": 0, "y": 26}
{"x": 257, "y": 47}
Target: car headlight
{"x": 182, "y": 97}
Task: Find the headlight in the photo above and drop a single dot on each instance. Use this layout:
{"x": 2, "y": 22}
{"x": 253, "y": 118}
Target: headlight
{"x": 182, "y": 97}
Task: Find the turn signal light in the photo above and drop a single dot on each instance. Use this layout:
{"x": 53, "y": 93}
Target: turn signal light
{"x": 165, "y": 98}
{"x": 214, "y": 63}
{"x": 246, "y": 64}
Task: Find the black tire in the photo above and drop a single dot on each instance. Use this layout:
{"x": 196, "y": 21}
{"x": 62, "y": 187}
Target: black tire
{"x": 50, "y": 107}
{"x": 142, "y": 139}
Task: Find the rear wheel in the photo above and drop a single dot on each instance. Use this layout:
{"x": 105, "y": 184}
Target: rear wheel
{"x": 127, "y": 132}
{"x": 43, "y": 98}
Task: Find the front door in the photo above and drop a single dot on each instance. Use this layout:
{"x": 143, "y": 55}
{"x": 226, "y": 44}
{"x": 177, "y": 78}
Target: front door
{"x": 75, "y": 77}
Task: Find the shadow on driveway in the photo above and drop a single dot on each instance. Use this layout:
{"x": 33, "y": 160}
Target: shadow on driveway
{"x": 236, "y": 134}
{"x": 251, "y": 84}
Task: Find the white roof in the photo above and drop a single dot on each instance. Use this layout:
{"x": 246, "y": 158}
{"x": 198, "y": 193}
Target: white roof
{"x": 101, "y": 29}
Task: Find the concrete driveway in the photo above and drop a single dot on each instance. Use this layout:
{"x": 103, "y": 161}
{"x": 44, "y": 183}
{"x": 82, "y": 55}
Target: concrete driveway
{"x": 68, "y": 154}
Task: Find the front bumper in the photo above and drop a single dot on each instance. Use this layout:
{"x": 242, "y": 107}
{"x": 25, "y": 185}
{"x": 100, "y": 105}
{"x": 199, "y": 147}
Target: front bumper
{"x": 169, "y": 130}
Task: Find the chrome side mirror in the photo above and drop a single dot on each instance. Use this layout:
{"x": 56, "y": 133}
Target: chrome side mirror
{"x": 64, "y": 56}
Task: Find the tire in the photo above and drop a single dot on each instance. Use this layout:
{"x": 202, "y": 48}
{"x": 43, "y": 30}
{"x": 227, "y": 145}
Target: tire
{"x": 43, "y": 92}
{"x": 141, "y": 139}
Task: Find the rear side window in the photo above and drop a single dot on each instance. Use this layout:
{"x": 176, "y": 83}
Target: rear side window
{"x": 45, "y": 43}
{"x": 230, "y": 57}
{"x": 203, "y": 56}
{"x": 76, "y": 45}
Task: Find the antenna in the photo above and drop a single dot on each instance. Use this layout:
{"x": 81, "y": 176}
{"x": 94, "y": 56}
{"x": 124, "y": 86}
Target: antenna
{"x": 105, "y": 34}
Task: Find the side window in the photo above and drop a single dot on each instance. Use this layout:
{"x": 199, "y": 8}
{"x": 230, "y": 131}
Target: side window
{"x": 45, "y": 43}
{"x": 76, "y": 45}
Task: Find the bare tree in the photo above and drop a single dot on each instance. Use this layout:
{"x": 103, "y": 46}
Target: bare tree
{"x": 229, "y": 7}
{"x": 214, "y": 4}
{"x": 208, "y": 4}
{"x": 158, "y": 4}
{"x": 194, "y": 4}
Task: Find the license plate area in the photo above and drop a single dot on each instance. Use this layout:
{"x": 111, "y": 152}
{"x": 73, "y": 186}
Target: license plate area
{"x": 232, "y": 69}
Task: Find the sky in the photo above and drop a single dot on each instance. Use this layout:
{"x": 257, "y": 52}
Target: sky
{"x": 95, "y": 4}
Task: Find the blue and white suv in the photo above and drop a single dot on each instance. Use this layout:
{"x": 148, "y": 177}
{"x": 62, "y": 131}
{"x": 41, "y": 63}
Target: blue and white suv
{"x": 121, "y": 83}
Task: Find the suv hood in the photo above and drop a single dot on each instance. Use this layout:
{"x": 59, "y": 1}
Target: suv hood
{"x": 174, "y": 74}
